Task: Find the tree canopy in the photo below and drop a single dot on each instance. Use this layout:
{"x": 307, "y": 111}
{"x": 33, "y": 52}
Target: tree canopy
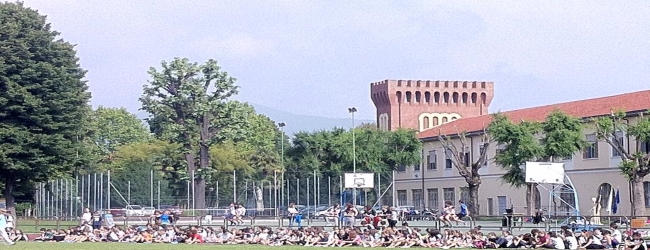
{"x": 43, "y": 101}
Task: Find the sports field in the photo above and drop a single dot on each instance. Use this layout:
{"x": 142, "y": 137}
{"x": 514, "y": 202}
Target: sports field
{"x": 132, "y": 246}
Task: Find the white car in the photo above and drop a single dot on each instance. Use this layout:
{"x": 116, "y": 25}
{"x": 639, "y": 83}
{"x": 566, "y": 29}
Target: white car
{"x": 148, "y": 211}
{"x": 134, "y": 210}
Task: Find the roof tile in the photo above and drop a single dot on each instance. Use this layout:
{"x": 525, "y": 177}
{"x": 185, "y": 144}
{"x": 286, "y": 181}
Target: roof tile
{"x": 635, "y": 101}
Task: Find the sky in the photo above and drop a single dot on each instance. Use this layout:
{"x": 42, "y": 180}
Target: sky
{"x": 319, "y": 57}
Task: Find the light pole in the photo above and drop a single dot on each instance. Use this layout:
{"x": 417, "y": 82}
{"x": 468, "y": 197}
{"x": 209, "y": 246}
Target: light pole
{"x": 281, "y": 125}
{"x": 353, "y": 110}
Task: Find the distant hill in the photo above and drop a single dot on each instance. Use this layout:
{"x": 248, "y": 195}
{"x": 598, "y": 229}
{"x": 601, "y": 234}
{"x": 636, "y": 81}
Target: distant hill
{"x": 296, "y": 123}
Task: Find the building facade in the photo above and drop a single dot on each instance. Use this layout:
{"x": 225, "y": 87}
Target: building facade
{"x": 594, "y": 172}
{"x": 421, "y": 105}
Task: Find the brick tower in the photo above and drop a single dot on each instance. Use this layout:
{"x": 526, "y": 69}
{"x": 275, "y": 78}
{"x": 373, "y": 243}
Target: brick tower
{"x": 421, "y": 105}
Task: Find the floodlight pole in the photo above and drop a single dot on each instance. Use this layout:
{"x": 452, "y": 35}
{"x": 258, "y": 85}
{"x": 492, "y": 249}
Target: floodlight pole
{"x": 353, "y": 110}
{"x": 281, "y": 125}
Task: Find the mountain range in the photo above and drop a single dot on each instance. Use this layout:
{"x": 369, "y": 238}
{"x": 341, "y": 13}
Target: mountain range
{"x": 296, "y": 122}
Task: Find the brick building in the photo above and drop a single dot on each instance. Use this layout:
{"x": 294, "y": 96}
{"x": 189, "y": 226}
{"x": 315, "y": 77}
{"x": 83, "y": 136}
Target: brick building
{"x": 420, "y": 105}
{"x": 594, "y": 171}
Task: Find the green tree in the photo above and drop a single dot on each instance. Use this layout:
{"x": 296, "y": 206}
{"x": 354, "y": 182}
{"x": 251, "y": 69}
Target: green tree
{"x": 519, "y": 146}
{"x": 115, "y": 127}
{"x": 635, "y": 160}
{"x": 461, "y": 159}
{"x": 560, "y": 136}
{"x": 43, "y": 101}
{"x": 189, "y": 102}
{"x": 134, "y": 162}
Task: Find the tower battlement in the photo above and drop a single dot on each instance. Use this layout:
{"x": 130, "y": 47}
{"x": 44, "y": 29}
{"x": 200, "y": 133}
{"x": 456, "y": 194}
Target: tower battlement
{"x": 418, "y": 104}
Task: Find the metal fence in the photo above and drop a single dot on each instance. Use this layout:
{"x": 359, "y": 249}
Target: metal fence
{"x": 67, "y": 198}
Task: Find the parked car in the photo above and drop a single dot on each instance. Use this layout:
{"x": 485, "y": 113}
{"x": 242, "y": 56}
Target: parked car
{"x": 148, "y": 211}
{"x": 134, "y": 210}
{"x": 117, "y": 211}
{"x": 175, "y": 210}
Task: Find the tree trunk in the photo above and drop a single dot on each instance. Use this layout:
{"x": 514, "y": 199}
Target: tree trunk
{"x": 530, "y": 199}
{"x": 474, "y": 205}
{"x": 9, "y": 196}
{"x": 204, "y": 161}
{"x": 639, "y": 203}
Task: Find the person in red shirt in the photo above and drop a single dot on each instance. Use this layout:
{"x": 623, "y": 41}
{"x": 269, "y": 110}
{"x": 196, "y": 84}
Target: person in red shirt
{"x": 195, "y": 237}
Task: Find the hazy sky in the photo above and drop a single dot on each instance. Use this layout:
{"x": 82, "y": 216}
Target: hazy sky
{"x": 318, "y": 57}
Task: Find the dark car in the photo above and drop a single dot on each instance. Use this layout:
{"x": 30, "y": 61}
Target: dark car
{"x": 175, "y": 210}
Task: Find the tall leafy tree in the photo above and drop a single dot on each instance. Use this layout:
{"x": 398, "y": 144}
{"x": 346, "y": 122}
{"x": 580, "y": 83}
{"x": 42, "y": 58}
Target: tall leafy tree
{"x": 468, "y": 168}
{"x": 518, "y": 144}
{"x": 559, "y": 137}
{"x": 635, "y": 159}
{"x": 115, "y": 127}
{"x": 43, "y": 101}
{"x": 189, "y": 102}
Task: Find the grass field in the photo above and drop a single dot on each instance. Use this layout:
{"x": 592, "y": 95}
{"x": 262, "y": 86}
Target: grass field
{"x": 132, "y": 246}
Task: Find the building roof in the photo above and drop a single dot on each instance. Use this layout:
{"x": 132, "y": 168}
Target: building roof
{"x": 629, "y": 102}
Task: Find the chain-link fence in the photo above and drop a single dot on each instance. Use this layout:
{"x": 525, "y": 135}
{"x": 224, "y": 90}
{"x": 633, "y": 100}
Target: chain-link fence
{"x": 156, "y": 190}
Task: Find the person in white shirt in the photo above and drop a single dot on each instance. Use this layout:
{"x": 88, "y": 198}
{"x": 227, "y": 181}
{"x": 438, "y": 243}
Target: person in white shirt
{"x": 293, "y": 212}
{"x": 3, "y": 227}
{"x": 557, "y": 241}
{"x": 86, "y": 217}
{"x": 573, "y": 242}
{"x": 240, "y": 212}
{"x": 616, "y": 234}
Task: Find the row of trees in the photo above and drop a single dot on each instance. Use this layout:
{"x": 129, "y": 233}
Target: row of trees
{"x": 558, "y": 137}
{"x": 195, "y": 131}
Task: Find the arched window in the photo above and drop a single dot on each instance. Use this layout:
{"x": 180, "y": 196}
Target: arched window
{"x": 418, "y": 96}
{"x": 408, "y": 96}
{"x": 604, "y": 192}
{"x": 427, "y": 96}
{"x": 399, "y": 96}
{"x": 445, "y": 97}
{"x": 464, "y": 98}
{"x": 436, "y": 97}
{"x": 474, "y": 98}
{"x": 425, "y": 123}
{"x": 455, "y": 97}
{"x": 568, "y": 201}
{"x": 483, "y": 98}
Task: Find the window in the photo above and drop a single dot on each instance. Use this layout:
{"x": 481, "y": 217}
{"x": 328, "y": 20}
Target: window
{"x": 417, "y": 198}
{"x": 432, "y": 198}
{"x": 466, "y": 158}
{"x": 481, "y": 148}
{"x": 448, "y": 161}
{"x": 645, "y": 147}
{"x": 401, "y": 168}
{"x": 416, "y": 167}
{"x": 401, "y": 198}
{"x": 449, "y": 194}
{"x": 432, "y": 160}
{"x": 646, "y": 193}
{"x": 604, "y": 192}
{"x": 591, "y": 150}
{"x": 618, "y": 139}
{"x": 464, "y": 195}
{"x": 501, "y": 148}
{"x": 569, "y": 204}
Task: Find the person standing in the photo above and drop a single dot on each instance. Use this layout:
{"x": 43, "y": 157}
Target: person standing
{"x": 86, "y": 217}
{"x": 293, "y": 212}
{"x": 3, "y": 227}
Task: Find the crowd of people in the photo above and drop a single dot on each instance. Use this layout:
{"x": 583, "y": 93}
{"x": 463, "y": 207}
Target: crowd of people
{"x": 376, "y": 229}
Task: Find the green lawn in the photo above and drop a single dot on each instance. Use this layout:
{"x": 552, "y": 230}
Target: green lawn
{"x": 131, "y": 246}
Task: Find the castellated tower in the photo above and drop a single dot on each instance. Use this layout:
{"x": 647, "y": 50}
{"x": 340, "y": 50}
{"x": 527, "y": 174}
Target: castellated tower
{"x": 422, "y": 105}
